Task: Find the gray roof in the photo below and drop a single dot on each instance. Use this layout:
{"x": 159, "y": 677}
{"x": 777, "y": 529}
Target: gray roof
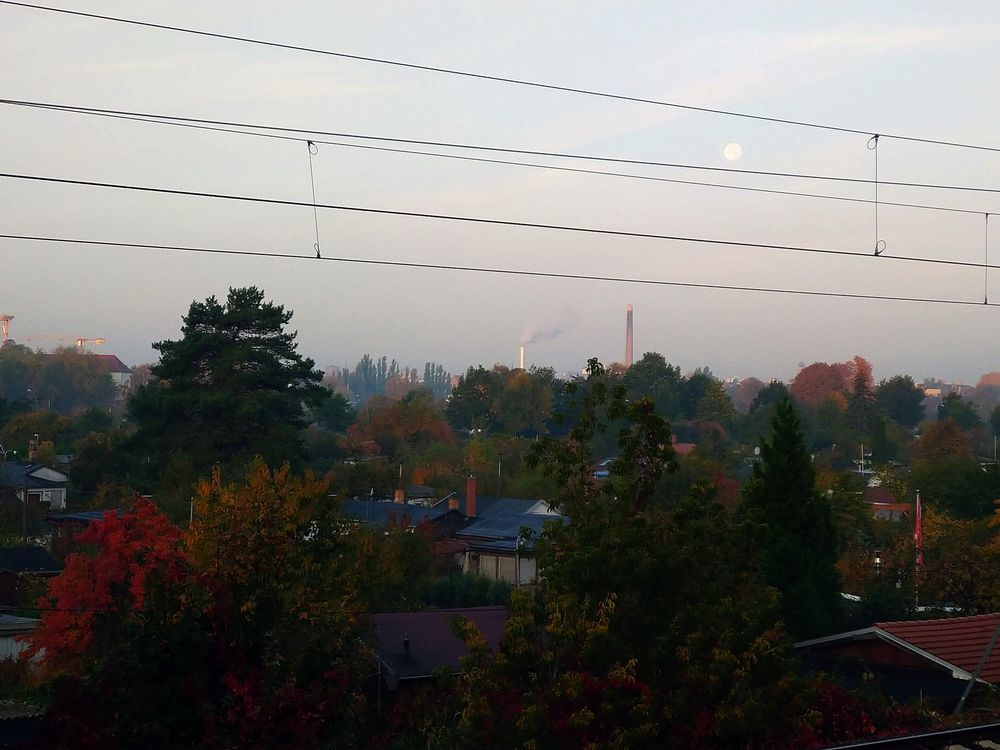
{"x": 14, "y": 474}
{"x": 432, "y": 644}
{"x": 84, "y": 516}
{"x": 382, "y": 514}
{"x": 508, "y": 526}
{"x": 487, "y": 507}
{"x": 14, "y": 625}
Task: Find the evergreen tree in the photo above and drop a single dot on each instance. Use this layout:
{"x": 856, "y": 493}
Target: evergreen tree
{"x": 796, "y": 540}
{"x": 231, "y": 388}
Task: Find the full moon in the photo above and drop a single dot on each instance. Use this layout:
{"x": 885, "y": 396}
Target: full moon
{"x": 733, "y": 151}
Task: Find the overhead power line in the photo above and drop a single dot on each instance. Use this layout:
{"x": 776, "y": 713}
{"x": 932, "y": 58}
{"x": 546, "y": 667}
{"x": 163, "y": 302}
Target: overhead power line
{"x": 494, "y": 270}
{"x": 496, "y": 78}
{"x": 258, "y": 131}
{"x": 486, "y": 221}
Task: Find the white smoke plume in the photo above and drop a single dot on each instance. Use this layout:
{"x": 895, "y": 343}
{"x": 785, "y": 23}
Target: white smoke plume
{"x": 535, "y": 333}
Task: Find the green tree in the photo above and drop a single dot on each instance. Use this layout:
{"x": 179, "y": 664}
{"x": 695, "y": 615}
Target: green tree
{"x": 232, "y": 387}
{"x": 72, "y": 380}
{"x": 957, "y": 408}
{"x": 957, "y": 486}
{"x": 471, "y": 406}
{"x": 656, "y": 612}
{"x": 770, "y": 395}
{"x": 995, "y": 421}
{"x": 523, "y": 404}
{"x": 19, "y": 373}
{"x": 900, "y": 399}
{"x": 335, "y": 414}
{"x": 797, "y": 542}
{"x": 653, "y": 377}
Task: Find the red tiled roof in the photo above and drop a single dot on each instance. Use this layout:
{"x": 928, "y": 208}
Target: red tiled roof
{"x": 683, "y": 449}
{"x": 879, "y": 495}
{"x": 958, "y": 640}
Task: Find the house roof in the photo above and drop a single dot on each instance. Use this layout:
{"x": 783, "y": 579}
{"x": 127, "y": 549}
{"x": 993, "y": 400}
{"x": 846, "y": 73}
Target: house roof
{"x": 487, "y": 506}
{"x": 374, "y": 513}
{"x": 11, "y": 625}
{"x": 112, "y": 363}
{"x": 954, "y": 644}
{"x": 507, "y": 526}
{"x": 957, "y": 640}
{"x": 14, "y": 474}
{"x": 27, "y": 560}
{"x": 84, "y": 516}
{"x": 432, "y": 644}
{"x": 880, "y": 495}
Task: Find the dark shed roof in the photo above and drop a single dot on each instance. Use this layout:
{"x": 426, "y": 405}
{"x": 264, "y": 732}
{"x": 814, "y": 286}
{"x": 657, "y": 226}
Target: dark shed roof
{"x": 432, "y": 644}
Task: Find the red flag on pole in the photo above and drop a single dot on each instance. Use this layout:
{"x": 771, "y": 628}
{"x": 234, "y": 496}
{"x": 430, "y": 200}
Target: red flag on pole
{"x": 918, "y": 534}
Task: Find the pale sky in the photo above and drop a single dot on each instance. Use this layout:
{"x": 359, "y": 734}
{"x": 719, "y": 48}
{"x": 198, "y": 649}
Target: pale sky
{"x": 927, "y": 69}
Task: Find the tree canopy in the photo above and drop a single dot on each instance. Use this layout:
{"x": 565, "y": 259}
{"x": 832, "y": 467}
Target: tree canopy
{"x": 232, "y": 387}
{"x": 798, "y": 548}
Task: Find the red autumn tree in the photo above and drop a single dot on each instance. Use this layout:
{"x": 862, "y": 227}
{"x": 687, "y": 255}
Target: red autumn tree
{"x": 819, "y": 381}
{"x": 134, "y": 551}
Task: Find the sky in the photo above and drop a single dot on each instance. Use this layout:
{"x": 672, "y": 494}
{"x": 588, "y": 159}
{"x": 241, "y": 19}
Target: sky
{"x": 924, "y": 69}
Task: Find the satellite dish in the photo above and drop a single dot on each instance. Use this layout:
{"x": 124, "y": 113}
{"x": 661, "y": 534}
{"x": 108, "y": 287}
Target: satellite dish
{"x": 756, "y": 451}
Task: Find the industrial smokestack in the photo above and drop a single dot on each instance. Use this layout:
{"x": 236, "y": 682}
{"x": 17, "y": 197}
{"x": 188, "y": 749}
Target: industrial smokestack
{"x": 628, "y": 335}
{"x": 522, "y": 356}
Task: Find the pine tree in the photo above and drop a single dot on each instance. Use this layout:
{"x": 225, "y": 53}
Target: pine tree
{"x": 232, "y": 387}
{"x": 796, "y": 542}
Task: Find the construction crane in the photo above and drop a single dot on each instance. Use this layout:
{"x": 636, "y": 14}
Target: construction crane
{"x": 80, "y": 343}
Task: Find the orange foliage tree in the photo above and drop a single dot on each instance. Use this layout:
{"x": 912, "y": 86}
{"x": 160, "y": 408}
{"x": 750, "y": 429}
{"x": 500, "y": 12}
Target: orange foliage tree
{"x": 243, "y": 634}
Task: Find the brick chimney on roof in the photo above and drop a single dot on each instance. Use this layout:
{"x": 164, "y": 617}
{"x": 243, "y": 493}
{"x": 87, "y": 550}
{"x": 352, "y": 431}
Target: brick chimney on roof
{"x": 470, "y": 496}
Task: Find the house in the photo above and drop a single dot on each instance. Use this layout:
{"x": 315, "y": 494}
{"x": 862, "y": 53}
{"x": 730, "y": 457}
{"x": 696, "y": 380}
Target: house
{"x": 501, "y": 547}
{"x": 41, "y": 483}
{"x": 16, "y": 562}
{"x": 911, "y": 658}
{"x": 410, "y": 646}
{"x": 121, "y": 374}
{"x": 884, "y": 505}
{"x": 11, "y": 631}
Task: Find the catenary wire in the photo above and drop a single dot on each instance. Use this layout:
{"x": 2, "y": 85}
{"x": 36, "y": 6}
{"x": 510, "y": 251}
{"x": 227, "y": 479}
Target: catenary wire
{"x": 498, "y": 271}
{"x": 482, "y": 220}
{"x": 495, "y": 78}
{"x": 192, "y": 123}
{"x": 504, "y": 150}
